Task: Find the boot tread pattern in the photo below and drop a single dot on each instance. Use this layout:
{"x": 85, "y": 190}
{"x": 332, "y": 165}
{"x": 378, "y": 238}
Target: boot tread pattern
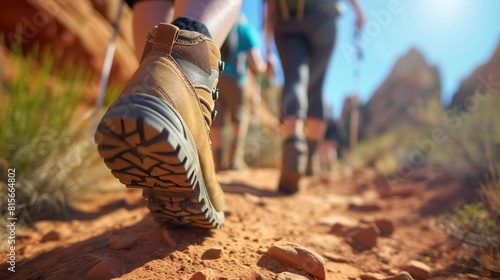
{"x": 160, "y": 162}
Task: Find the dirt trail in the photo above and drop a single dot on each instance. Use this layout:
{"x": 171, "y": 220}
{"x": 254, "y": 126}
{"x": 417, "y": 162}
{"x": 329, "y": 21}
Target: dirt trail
{"x": 114, "y": 236}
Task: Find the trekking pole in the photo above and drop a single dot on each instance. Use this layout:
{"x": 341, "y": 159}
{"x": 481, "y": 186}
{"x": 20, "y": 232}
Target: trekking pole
{"x": 108, "y": 61}
{"x": 354, "y": 121}
{"x": 256, "y": 99}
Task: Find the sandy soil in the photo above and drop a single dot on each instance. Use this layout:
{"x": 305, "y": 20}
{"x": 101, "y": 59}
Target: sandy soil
{"x": 114, "y": 236}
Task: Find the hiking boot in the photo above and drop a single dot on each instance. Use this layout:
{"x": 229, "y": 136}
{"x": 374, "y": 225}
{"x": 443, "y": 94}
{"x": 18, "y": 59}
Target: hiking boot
{"x": 156, "y": 135}
{"x": 294, "y": 160}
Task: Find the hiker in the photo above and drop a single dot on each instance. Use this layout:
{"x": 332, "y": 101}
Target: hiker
{"x": 241, "y": 53}
{"x": 155, "y": 136}
{"x": 304, "y": 34}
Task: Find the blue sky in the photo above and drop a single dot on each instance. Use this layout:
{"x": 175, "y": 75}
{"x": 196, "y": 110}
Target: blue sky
{"x": 455, "y": 35}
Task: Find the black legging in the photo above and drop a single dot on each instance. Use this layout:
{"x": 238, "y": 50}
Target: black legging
{"x": 305, "y": 47}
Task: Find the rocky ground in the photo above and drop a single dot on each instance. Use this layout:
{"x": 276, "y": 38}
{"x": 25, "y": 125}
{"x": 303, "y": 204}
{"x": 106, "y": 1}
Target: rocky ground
{"x": 344, "y": 225}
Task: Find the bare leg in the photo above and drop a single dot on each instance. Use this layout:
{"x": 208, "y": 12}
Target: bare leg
{"x": 292, "y": 126}
{"x": 327, "y": 154}
{"x": 236, "y": 155}
{"x": 217, "y": 15}
{"x": 315, "y": 129}
{"x": 147, "y": 14}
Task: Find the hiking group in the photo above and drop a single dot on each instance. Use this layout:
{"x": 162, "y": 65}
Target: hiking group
{"x": 157, "y": 135}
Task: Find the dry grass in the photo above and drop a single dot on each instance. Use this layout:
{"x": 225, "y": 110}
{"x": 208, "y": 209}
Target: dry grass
{"x": 61, "y": 177}
{"x": 490, "y": 191}
{"x": 52, "y": 152}
{"x": 489, "y": 258}
{"x": 477, "y": 226}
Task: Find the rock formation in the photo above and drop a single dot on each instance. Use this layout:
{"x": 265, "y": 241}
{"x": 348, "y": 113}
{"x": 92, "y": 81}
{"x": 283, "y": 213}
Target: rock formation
{"x": 77, "y": 29}
{"x": 412, "y": 82}
{"x": 485, "y": 79}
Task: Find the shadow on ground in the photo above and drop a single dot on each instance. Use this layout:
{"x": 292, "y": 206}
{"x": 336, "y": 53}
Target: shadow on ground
{"x": 75, "y": 260}
{"x": 238, "y": 188}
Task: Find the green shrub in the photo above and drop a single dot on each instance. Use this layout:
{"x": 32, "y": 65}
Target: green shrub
{"x": 383, "y": 152}
{"x": 472, "y": 138}
{"x": 473, "y": 225}
{"x": 52, "y": 151}
{"x": 65, "y": 175}
{"x": 37, "y": 108}
{"x": 478, "y": 225}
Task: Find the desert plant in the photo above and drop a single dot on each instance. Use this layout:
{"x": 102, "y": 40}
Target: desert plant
{"x": 64, "y": 175}
{"x": 37, "y": 108}
{"x": 489, "y": 258}
{"x": 490, "y": 191}
{"x": 112, "y": 93}
{"x": 461, "y": 141}
{"x": 51, "y": 150}
{"x": 472, "y": 138}
{"x": 384, "y": 152}
{"x": 471, "y": 224}
{"x": 478, "y": 225}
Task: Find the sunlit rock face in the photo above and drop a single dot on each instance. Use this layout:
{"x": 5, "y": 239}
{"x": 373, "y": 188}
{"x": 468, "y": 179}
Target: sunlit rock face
{"x": 411, "y": 86}
{"x": 485, "y": 79}
{"x": 77, "y": 29}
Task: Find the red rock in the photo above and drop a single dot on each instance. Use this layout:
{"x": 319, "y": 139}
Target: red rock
{"x": 299, "y": 257}
{"x": 336, "y": 258}
{"x": 418, "y": 269}
{"x": 371, "y": 276}
{"x": 289, "y": 276}
{"x": 485, "y": 75}
{"x": 206, "y": 274}
{"x": 74, "y": 28}
{"x": 337, "y": 228}
{"x": 400, "y": 276}
{"x": 212, "y": 254}
{"x": 52, "y": 235}
{"x": 412, "y": 78}
{"x": 106, "y": 269}
{"x": 365, "y": 236}
{"x": 386, "y": 226}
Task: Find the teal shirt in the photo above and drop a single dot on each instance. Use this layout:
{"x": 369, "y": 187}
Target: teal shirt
{"x": 237, "y": 62}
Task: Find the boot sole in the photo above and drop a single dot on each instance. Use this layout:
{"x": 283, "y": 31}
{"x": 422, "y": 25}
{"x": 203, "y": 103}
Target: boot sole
{"x": 289, "y": 182}
{"x": 146, "y": 145}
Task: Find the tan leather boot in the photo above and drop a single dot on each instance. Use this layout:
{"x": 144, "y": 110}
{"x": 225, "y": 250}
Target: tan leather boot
{"x": 156, "y": 135}
{"x": 293, "y": 164}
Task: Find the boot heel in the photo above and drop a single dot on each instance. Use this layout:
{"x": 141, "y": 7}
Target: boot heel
{"x": 146, "y": 145}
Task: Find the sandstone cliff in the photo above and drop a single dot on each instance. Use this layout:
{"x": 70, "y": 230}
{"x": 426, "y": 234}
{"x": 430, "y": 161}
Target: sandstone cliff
{"x": 484, "y": 78}
{"x": 412, "y": 83}
{"x": 77, "y": 29}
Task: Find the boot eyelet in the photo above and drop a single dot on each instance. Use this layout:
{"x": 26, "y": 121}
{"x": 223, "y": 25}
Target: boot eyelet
{"x": 214, "y": 114}
{"x": 215, "y": 94}
{"x": 222, "y": 64}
